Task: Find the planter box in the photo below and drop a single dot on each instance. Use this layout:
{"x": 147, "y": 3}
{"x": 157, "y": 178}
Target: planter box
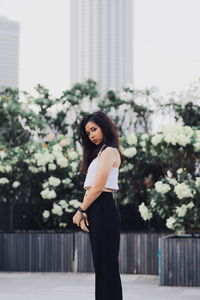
{"x": 179, "y": 260}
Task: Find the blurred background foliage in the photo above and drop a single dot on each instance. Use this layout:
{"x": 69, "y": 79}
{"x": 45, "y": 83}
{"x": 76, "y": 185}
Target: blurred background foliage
{"x": 33, "y": 125}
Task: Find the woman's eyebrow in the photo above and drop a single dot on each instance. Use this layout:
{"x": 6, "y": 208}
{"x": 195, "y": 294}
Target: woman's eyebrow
{"x": 90, "y": 128}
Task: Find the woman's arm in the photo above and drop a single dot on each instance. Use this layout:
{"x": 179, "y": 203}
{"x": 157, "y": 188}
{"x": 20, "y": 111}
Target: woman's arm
{"x": 106, "y": 162}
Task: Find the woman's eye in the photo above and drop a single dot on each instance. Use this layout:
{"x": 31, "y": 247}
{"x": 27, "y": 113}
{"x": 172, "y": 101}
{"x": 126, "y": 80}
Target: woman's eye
{"x": 93, "y": 129}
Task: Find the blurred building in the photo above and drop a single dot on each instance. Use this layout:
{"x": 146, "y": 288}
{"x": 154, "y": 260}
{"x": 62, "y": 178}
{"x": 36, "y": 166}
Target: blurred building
{"x": 9, "y": 52}
{"x": 102, "y": 42}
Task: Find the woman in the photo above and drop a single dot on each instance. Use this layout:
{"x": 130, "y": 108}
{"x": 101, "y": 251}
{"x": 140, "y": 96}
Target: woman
{"x": 98, "y": 213}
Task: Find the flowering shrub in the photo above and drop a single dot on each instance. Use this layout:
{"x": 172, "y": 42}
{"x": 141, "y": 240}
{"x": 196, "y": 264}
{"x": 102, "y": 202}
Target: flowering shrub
{"x": 177, "y": 146}
{"x": 40, "y": 152}
{"x": 57, "y": 166}
{"x": 176, "y": 200}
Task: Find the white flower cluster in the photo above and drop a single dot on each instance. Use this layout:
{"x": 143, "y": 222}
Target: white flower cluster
{"x": 157, "y": 139}
{"x": 44, "y": 159}
{"x": 143, "y": 140}
{"x": 170, "y": 222}
{"x": 182, "y": 190}
{"x": 144, "y": 211}
{"x": 5, "y": 169}
{"x": 2, "y": 155}
{"x": 197, "y": 181}
{"x": 172, "y": 181}
{"x": 57, "y": 210}
{"x": 48, "y": 194}
{"x": 54, "y": 181}
{"x": 61, "y": 207}
{"x": 72, "y": 154}
{"x": 3, "y": 180}
{"x": 181, "y": 210}
{"x": 67, "y": 182}
{"x": 60, "y": 159}
{"x": 16, "y": 184}
{"x": 132, "y": 139}
{"x": 130, "y": 152}
{"x": 197, "y": 141}
{"x": 62, "y": 224}
{"x": 161, "y": 187}
{"x": 175, "y": 134}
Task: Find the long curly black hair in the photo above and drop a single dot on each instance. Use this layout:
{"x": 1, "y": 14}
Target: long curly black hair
{"x": 110, "y": 134}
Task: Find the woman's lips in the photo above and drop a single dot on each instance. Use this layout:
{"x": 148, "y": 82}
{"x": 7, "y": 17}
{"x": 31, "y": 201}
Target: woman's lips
{"x": 94, "y": 141}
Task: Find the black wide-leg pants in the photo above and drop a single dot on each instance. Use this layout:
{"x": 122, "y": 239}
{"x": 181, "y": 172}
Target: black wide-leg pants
{"x": 104, "y": 226}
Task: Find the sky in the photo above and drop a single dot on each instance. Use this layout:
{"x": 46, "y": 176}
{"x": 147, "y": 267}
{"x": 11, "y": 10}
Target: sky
{"x": 166, "y": 43}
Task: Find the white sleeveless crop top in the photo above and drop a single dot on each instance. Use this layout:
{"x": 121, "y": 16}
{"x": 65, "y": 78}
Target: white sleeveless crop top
{"x": 112, "y": 181}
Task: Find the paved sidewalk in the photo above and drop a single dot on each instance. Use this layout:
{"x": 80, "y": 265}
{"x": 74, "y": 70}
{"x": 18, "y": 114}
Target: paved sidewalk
{"x": 70, "y": 286}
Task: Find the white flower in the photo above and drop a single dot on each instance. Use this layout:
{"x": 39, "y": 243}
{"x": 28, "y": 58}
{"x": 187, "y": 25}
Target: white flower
{"x": 75, "y": 203}
{"x": 72, "y": 155}
{"x": 51, "y": 167}
{"x": 190, "y": 205}
{"x": 62, "y": 224}
{"x": 48, "y": 194}
{"x": 46, "y": 214}
{"x": 172, "y": 181}
{"x": 66, "y": 181}
{"x": 69, "y": 209}
{"x": 170, "y": 222}
{"x": 4, "y": 180}
{"x": 143, "y": 145}
{"x": 130, "y": 152}
{"x": 16, "y": 184}
{"x": 181, "y": 211}
{"x": 57, "y": 150}
{"x": 197, "y": 147}
{"x": 8, "y": 168}
{"x": 34, "y": 169}
{"x": 145, "y": 213}
{"x": 178, "y": 134}
{"x": 62, "y": 161}
{"x": 2, "y": 169}
{"x": 182, "y": 190}
{"x": 197, "y": 182}
{"x": 132, "y": 139}
{"x": 74, "y": 166}
{"x": 162, "y": 188}
{"x": 54, "y": 181}
{"x": 57, "y": 210}
{"x": 197, "y": 141}
{"x": 64, "y": 204}
{"x": 2, "y": 155}
{"x": 51, "y": 194}
{"x": 45, "y": 185}
{"x": 180, "y": 170}
{"x": 144, "y": 136}
{"x": 43, "y": 158}
{"x": 169, "y": 174}
{"x": 157, "y": 139}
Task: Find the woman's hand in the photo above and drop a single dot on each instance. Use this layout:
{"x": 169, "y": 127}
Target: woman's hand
{"x": 81, "y": 220}
{"x": 84, "y": 223}
{"x": 77, "y": 218}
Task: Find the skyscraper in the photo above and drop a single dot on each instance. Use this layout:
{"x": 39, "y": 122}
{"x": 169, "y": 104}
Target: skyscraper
{"x": 102, "y": 42}
{"x": 9, "y": 52}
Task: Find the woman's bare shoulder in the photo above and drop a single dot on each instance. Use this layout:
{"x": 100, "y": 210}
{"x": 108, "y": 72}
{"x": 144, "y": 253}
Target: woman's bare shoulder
{"x": 110, "y": 150}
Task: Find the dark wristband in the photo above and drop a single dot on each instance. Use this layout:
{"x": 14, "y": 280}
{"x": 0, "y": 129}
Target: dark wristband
{"x": 81, "y": 210}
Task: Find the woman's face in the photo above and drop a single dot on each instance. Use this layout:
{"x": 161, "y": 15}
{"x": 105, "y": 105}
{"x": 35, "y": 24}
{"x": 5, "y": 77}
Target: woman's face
{"x": 94, "y": 132}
